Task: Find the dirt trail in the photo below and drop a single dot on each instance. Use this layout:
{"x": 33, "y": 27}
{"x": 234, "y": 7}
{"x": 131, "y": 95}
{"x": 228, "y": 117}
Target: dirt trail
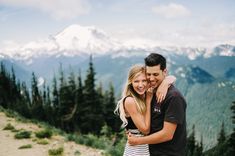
{"x": 9, "y": 145}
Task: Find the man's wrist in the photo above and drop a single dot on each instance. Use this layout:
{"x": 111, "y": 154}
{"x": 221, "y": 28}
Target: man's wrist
{"x": 140, "y": 140}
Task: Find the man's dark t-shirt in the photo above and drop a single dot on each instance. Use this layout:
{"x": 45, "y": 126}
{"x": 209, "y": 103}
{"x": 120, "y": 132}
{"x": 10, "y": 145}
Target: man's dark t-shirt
{"x": 172, "y": 109}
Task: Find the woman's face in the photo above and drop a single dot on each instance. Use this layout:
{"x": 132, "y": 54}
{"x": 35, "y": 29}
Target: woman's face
{"x": 139, "y": 83}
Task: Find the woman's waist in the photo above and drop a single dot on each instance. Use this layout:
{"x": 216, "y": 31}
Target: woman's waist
{"x": 135, "y": 132}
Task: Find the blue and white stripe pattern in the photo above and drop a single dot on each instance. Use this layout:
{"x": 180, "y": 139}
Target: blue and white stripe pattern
{"x": 136, "y": 150}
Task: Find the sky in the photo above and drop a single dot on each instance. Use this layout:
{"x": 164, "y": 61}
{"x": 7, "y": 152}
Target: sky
{"x": 197, "y": 23}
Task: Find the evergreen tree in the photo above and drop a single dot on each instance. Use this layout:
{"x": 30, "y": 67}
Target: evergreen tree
{"x": 108, "y": 108}
{"x": 3, "y": 97}
{"x": 191, "y": 143}
{"x": 68, "y": 101}
{"x": 71, "y": 81}
{"x": 91, "y": 117}
{"x": 24, "y": 106}
{"x": 231, "y": 141}
{"x": 61, "y": 76}
{"x": 55, "y": 102}
{"x": 79, "y": 102}
{"x": 221, "y": 145}
{"x": 201, "y": 147}
{"x": 221, "y": 139}
{"x": 14, "y": 91}
{"x": 4, "y": 87}
{"x": 48, "y": 107}
{"x": 2, "y": 69}
{"x": 225, "y": 146}
{"x": 72, "y": 92}
{"x": 100, "y": 92}
{"x": 25, "y": 94}
{"x": 63, "y": 89}
{"x": 198, "y": 150}
{"x": 55, "y": 94}
{"x": 37, "y": 107}
{"x": 15, "y": 94}
{"x": 10, "y": 95}
{"x": 48, "y": 97}
{"x": 44, "y": 95}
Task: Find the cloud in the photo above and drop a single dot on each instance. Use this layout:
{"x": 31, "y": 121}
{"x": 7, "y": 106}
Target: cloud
{"x": 171, "y": 10}
{"x": 58, "y": 9}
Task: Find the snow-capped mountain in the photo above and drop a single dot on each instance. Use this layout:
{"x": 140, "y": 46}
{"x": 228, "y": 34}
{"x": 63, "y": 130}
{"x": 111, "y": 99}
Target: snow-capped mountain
{"x": 72, "y": 41}
{"x": 77, "y": 40}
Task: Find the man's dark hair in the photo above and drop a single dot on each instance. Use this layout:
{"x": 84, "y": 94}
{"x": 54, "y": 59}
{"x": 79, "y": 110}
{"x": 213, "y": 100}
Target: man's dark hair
{"x": 155, "y": 59}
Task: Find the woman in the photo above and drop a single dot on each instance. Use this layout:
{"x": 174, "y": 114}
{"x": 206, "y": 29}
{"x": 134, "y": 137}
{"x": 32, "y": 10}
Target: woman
{"x": 134, "y": 107}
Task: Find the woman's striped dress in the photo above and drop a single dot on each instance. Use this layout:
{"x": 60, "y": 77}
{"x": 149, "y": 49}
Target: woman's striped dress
{"x": 136, "y": 150}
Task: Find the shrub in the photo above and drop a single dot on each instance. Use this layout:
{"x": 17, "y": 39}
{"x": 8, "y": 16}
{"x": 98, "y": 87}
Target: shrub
{"x": 34, "y": 139}
{"x": 23, "y": 134}
{"x": 42, "y": 142}
{"x": 9, "y": 127}
{"x": 77, "y": 153}
{"x": 44, "y": 133}
{"x": 117, "y": 147}
{"x": 90, "y": 140}
{"x": 71, "y": 137}
{"x": 116, "y": 150}
{"x": 10, "y": 113}
{"x": 1, "y": 109}
{"x": 57, "y": 151}
{"x": 25, "y": 146}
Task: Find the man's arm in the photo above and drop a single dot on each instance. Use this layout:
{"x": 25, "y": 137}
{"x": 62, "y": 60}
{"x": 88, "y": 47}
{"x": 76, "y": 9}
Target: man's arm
{"x": 166, "y": 134}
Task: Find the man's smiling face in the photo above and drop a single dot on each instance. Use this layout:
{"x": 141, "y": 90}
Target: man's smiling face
{"x": 155, "y": 75}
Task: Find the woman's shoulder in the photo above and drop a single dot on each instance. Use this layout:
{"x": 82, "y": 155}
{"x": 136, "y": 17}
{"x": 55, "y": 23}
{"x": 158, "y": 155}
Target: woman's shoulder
{"x": 130, "y": 103}
{"x": 129, "y": 100}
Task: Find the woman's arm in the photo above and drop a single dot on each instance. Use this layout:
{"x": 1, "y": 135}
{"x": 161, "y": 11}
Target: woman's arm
{"x": 163, "y": 87}
{"x": 142, "y": 121}
{"x": 149, "y": 95}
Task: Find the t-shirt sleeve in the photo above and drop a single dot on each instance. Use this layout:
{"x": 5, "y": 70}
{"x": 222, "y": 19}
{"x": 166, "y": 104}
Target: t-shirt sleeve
{"x": 175, "y": 111}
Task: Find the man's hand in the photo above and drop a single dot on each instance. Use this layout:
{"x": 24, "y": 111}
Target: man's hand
{"x": 163, "y": 88}
{"x": 161, "y": 92}
{"x": 132, "y": 140}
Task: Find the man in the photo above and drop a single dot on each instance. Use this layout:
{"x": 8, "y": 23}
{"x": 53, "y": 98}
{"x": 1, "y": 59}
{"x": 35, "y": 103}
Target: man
{"x": 168, "y": 119}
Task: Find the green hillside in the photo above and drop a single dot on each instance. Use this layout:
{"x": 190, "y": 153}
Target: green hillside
{"x": 208, "y": 106}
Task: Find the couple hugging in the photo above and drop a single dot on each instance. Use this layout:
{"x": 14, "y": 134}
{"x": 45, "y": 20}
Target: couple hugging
{"x": 153, "y": 111}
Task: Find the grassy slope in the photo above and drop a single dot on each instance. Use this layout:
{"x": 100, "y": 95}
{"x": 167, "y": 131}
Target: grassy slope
{"x": 9, "y": 145}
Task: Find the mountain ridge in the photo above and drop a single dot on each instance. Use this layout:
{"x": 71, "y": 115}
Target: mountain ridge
{"x": 76, "y": 40}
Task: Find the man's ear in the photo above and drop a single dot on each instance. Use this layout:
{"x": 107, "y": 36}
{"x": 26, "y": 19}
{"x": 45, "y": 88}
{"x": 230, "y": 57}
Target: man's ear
{"x": 165, "y": 72}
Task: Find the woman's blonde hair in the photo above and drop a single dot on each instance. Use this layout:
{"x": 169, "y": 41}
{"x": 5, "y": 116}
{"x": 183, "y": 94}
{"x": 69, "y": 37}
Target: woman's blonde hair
{"x": 129, "y": 91}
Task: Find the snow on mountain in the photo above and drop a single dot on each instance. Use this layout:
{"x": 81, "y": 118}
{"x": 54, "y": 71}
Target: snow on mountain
{"x": 28, "y": 51}
{"x": 78, "y": 40}
{"x": 85, "y": 40}
{"x": 224, "y": 50}
{"x": 74, "y": 40}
